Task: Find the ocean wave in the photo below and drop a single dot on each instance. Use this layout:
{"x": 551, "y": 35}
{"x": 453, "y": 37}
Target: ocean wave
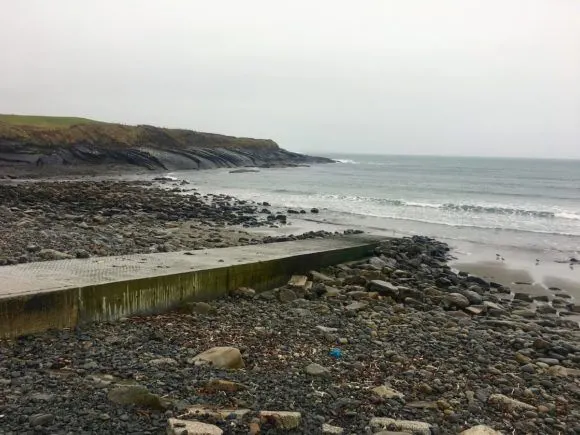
{"x": 349, "y": 161}
{"x": 498, "y": 210}
{"x": 450, "y": 207}
{"x": 448, "y": 224}
{"x": 474, "y": 208}
{"x": 566, "y": 215}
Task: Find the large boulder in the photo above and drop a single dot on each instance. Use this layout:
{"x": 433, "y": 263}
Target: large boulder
{"x": 221, "y": 357}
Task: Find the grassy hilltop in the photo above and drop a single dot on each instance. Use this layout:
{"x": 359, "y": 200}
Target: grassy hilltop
{"x": 46, "y": 121}
{"x": 63, "y": 131}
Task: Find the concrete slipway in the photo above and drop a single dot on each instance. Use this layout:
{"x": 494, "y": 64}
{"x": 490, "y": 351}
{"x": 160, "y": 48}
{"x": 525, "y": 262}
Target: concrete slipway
{"x": 35, "y": 297}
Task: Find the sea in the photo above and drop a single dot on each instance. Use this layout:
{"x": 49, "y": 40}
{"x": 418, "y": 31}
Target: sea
{"x": 527, "y": 204}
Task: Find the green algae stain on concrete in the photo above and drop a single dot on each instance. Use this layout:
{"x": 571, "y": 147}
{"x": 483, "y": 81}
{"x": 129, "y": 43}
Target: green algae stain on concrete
{"x": 38, "y": 312}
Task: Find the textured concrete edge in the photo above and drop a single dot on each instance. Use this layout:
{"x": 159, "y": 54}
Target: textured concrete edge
{"x": 71, "y": 307}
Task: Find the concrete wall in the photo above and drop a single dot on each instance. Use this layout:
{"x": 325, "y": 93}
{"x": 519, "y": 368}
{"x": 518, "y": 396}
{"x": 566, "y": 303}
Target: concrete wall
{"x": 70, "y": 307}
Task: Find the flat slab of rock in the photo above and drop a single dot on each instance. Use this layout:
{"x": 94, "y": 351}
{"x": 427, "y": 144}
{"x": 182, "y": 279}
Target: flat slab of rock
{"x": 317, "y": 370}
{"x": 414, "y": 427}
{"x": 320, "y": 277}
{"x": 493, "y": 305}
{"x": 298, "y": 281}
{"x": 326, "y": 329}
{"x": 159, "y": 362}
{"x": 456, "y": 300}
{"x": 328, "y": 429}
{"x": 221, "y": 357}
{"x": 285, "y": 420}
{"x": 135, "y": 395}
{"x": 188, "y": 427}
{"x": 217, "y": 414}
{"x": 507, "y": 403}
{"x": 216, "y": 385}
{"x": 287, "y": 295}
{"x": 480, "y": 430}
{"x": 384, "y": 288}
{"x": 387, "y": 392}
{"x": 558, "y": 370}
{"x": 356, "y": 306}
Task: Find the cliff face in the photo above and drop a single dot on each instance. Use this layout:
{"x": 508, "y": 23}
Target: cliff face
{"x": 96, "y": 146}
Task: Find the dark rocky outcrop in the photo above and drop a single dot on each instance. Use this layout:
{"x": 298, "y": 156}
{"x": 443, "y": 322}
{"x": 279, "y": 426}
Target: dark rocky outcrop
{"x": 98, "y": 147}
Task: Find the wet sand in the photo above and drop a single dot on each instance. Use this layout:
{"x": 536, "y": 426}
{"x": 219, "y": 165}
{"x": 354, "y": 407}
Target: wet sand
{"x": 519, "y": 269}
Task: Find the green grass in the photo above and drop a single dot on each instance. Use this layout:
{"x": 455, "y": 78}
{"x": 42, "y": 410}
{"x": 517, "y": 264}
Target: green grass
{"x": 56, "y": 131}
{"x": 46, "y": 121}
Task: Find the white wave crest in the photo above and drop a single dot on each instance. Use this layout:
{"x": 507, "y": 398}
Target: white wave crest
{"x": 350, "y": 162}
{"x": 566, "y": 215}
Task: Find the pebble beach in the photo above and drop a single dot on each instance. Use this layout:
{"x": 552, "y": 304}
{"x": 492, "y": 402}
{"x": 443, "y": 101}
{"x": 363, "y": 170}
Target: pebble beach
{"x": 396, "y": 343}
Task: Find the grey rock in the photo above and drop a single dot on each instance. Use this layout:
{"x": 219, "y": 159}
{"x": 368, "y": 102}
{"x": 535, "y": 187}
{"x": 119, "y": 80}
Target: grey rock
{"x": 508, "y": 404}
{"x": 135, "y": 395}
{"x": 546, "y": 309}
{"x": 286, "y": 295}
{"x": 52, "y": 254}
{"x": 473, "y": 297}
{"x": 384, "y": 288}
{"x": 528, "y": 368}
{"x": 377, "y": 262}
{"x": 456, "y": 300}
{"x": 524, "y": 313}
{"x": 356, "y": 306}
{"x": 523, "y": 297}
{"x": 315, "y": 369}
{"x": 549, "y": 361}
{"x": 320, "y": 277}
{"x": 41, "y": 419}
{"x": 202, "y": 308}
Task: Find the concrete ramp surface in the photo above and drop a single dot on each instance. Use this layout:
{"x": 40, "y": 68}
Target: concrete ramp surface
{"x": 56, "y": 294}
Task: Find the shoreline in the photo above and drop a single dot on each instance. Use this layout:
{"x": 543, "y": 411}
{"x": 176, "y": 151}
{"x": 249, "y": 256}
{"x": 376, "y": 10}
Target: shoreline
{"x": 51, "y": 220}
{"x": 519, "y": 264}
{"x": 478, "y": 258}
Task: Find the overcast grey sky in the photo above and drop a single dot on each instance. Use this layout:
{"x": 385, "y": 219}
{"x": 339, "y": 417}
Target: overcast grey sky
{"x": 459, "y": 77}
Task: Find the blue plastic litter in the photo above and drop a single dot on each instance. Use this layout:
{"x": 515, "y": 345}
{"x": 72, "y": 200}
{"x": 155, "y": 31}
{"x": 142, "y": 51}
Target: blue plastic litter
{"x": 335, "y": 353}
